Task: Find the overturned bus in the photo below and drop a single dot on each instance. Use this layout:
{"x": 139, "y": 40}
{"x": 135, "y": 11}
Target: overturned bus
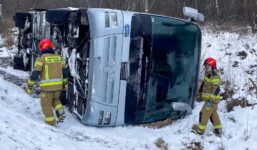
{"x": 125, "y": 67}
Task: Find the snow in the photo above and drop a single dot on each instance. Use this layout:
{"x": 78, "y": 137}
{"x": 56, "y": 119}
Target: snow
{"x": 22, "y": 125}
{"x": 1, "y": 40}
{"x": 226, "y": 48}
{"x": 7, "y": 52}
{"x": 10, "y": 70}
{"x": 3, "y": 50}
{"x": 72, "y": 64}
{"x": 10, "y": 50}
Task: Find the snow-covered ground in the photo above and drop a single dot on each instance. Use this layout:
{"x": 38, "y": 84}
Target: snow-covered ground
{"x": 9, "y": 51}
{"x": 22, "y": 125}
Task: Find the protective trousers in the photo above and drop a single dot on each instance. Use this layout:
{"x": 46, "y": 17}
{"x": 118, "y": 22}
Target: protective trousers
{"x": 49, "y": 101}
{"x": 209, "y": 112}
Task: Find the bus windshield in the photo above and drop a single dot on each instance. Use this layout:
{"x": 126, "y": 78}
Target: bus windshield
{"x": 165, "y": 54}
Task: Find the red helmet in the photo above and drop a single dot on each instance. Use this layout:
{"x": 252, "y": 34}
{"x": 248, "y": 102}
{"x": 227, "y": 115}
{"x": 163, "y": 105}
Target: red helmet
{"x": 45, "y": 44}
{"x": 210, "y": 61}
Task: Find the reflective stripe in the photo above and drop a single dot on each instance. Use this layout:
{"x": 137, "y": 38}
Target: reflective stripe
{"x": 207, "y": 79}
{"x": 53, "y": 59}
{"x": 217, "y": 127}
{"x": 205, "y": 96}
{"x": 57, "y": 107}
{"x": 46, "y": 72}
{"x": 42, "y": 94}
{"x": 208, "y": 95}
{"x": 31, "y": 82}
{"x": 214, "y": 96}
{"x": 38, "y": 63}
{"x": 201, "y": 127}
{"x": 51, "y": 80}
{"x": 208, "y": 108}
{"x": 65, "y": 80}
{"x": 51, "y": 83}
{"x": 214, "y": 81}
{"x": 48, "y": 119}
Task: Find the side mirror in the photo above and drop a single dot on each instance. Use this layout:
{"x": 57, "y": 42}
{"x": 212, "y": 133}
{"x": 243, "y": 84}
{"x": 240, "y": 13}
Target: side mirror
{"x": 193, "y": 14}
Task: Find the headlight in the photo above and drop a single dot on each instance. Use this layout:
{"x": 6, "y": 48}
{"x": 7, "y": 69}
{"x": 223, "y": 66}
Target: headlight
{"x": 104, "y": 118}
{"x": 114, "y": 20}
{"x": 101, "y": 116}
{"x": 107, "y": 118}
{"x": 111, "y": 19}
{"x": 107, "y": 20}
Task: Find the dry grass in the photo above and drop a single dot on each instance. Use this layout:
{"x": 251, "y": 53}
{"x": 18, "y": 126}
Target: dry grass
{"x": 242, "y": 54}
{"x": 6, "y": 24}
{"x": 161, "y": 144}
{"x": 194, "y": 146}
{"x": 238, "y": 102}
{"x": 231, "y": 102}
{"x": 228, "y": 91}
{"x": 240, "y": 28}
{"x": 159, "y": 124}
{"x": 9, "y": 39}
{"x": 7, "y": 33}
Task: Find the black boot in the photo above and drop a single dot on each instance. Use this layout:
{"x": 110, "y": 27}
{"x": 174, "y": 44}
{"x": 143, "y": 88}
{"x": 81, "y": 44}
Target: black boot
{"x": 218, "y": 132}
{"x": 196, "y": 130}
{"x": 60, "y": 115}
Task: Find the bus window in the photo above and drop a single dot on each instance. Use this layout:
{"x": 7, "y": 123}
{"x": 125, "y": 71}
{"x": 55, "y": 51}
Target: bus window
{"x": 167, "y": 68}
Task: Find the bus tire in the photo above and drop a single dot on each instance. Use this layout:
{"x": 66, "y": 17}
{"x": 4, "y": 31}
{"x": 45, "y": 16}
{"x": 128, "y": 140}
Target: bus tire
{"x": 57, "y": 16}
{"x": 20, "y": 19}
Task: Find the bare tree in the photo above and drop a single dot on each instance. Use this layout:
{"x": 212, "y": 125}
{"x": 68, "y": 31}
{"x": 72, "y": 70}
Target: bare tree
{"x": 222, "y": 12}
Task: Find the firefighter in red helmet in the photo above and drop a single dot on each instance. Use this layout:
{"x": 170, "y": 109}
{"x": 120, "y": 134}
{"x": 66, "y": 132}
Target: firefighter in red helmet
{"x": 52, "y": 74}
{"x": 209, "y": 93}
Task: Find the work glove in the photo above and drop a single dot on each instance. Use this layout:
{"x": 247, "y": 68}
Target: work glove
{"x": 65, "y": 87}
{"x": 29, "y": 90}
{"x": 209, "y": 103}
{"x": 199, "y": 97}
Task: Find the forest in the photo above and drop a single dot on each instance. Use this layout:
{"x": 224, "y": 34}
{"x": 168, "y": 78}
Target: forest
{"x": 222, "y": 13}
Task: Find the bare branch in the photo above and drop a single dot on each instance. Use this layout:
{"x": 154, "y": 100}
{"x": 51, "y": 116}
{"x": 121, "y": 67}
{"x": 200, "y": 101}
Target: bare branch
{"x": 129, "y": 5}
{"x": 34, "y": 4}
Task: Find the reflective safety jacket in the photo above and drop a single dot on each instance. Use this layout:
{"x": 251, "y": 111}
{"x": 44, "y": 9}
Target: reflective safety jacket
{"x": 50, "y": 70}
{"x": 210, "y": 88}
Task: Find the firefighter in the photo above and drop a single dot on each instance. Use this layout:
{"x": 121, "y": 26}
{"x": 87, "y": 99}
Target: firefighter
{"x": 209, "y": 93}
{"x": 50, "y": 70}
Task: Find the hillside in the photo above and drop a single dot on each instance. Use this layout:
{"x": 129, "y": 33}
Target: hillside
{"x": 22, "y": 125}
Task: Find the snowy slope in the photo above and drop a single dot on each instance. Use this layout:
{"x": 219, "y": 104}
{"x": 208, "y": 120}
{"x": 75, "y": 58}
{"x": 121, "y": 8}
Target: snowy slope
{"x": 237, "y": 59}
{"x": 9, "y": 51}
{"x": 22, "y": 125}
